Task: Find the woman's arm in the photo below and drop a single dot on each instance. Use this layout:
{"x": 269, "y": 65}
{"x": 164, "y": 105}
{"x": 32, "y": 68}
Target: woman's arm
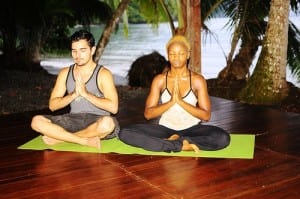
{"x": 203, "y": 108}
{"x": 152, "y": 108}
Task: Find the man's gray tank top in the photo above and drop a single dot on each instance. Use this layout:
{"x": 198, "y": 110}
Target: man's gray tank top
{"x": 80, "y": 104}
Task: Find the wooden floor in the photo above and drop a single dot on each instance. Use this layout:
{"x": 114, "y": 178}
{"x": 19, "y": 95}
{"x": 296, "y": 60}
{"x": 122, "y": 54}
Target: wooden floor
{"x": 273, "y": 173}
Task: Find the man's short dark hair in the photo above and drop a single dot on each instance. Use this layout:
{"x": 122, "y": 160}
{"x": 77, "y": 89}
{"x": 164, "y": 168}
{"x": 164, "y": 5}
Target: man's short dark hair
{"x": 83, "y": 34}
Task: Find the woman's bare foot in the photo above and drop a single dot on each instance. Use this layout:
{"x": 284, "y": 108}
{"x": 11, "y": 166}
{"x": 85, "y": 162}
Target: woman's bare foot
{"x": 173, "y": 137}
{"x": 186, "y": 146}
{"x": 50, "y": 141}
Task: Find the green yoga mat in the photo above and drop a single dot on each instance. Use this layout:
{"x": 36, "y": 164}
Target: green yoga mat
{"x": 241, "y": 146}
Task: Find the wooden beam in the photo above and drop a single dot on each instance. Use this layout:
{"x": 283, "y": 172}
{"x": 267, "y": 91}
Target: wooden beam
{"x": 194, "y": 33}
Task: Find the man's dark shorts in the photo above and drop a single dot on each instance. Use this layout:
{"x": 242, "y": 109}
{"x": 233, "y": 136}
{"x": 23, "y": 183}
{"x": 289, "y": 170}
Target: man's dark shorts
{"x": 74, "y": 122}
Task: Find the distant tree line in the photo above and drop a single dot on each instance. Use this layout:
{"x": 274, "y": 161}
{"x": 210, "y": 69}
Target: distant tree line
{"x": 32, "y": 27}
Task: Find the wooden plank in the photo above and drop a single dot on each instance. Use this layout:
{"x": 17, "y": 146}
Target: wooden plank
{"x": 273, "y": 173}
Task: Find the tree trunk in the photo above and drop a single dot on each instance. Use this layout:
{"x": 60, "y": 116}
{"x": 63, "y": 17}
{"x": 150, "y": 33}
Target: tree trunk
{"x": 193, "y": 21}
{"x": 191, "y": 28}
{"x": 172, "y": 26}
{"x": 109, "y": 28}
{"x": 29, "y": 56}
{"x": 32, "y": 58}
{"x": 238, "y": 69}
{"x": 9, "y": 49}
{"x": 194, "y": 34}
{"x": 268, "y": 84}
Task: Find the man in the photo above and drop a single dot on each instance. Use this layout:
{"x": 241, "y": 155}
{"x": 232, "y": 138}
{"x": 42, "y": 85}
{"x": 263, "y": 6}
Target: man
{"x": 90, "y": 91}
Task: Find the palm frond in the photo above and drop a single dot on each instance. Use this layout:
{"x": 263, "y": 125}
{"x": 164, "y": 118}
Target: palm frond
{"x": 293, "y": 57}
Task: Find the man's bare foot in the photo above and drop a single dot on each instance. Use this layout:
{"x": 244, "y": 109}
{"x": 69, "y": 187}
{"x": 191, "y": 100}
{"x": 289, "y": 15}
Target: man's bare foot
{"x": 103, "y": 135}
{"x": 173, "y": 137}
{"x": 93, "y": 142}
{"x": 186, "y": 146}
{"x": 50, "y": 141}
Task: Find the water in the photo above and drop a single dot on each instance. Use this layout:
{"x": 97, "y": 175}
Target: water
{"x": 143, "y": 39}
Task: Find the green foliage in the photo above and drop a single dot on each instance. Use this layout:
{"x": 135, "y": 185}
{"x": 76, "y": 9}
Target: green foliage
{"x": 134, "y": 16}
{"x": 44, "y": 25}
{"x": 58, "y": 37}
{"x": 293, "y": 58}
{"x": 150, "y": 11}
{"x": 146, "y": 11}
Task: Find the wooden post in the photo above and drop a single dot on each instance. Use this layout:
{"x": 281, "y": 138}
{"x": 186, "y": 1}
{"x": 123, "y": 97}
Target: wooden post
{"x": 193, "y": 33}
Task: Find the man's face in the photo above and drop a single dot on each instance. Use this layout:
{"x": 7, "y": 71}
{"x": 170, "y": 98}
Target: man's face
{"x": 82, "y": 53}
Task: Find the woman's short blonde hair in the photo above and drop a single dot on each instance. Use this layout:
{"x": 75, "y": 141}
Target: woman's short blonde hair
{"x": 179, "y": 39}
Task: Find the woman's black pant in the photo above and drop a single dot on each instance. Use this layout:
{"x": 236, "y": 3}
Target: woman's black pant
{"x": 153, "y": 137}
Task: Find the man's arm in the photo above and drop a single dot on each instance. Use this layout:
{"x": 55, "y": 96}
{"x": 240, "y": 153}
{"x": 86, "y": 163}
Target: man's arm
{"x": 58, "y": 99}
{"x": 107, "y": 86}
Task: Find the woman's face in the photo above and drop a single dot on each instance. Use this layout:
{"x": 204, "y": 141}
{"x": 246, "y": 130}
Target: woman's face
{"x": 178, "y": 55}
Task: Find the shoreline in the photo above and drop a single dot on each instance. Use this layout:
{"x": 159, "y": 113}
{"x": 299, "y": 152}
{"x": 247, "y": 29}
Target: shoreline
{"x": 22, "y": 91}
{"x": 53, "y": 65}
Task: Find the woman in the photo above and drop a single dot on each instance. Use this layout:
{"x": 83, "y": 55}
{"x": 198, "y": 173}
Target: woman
{"x": 180, "y": 98}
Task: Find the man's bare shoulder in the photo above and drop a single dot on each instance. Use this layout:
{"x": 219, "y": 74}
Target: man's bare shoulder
{"x": 105, "y": 78}
{"x": 104, "y": 71}
{"x": 64, "y": 70}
